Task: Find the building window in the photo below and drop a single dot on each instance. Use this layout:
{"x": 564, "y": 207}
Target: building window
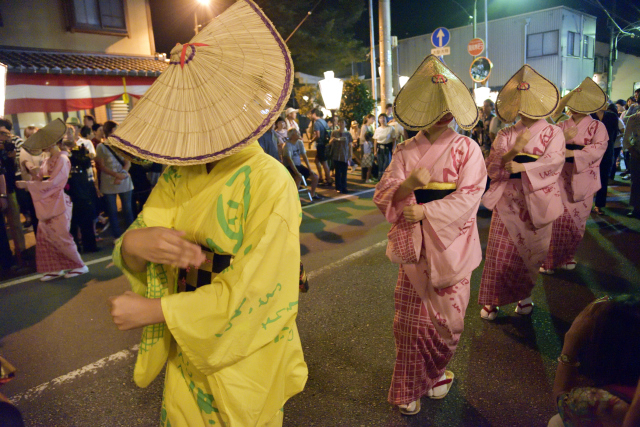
{"x": 542, "y": 44}
{"x": 573, "y": 44}
{"x": 101, "y": 16}
{"x": 598, "y": 65}
{"x": 588, "y": 48}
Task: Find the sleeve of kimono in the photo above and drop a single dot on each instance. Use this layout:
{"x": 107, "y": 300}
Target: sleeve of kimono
{"x": 593, "y": 152}
{"x": 58, "y": 177}
{"x": 545, "y": 171}
{"x": 495, "y": 170}
{"x": 253, "y": 300}
{"x": 393, "y": 177}
{"x": 159, "y": 211}
{"x": 448, "y": 217}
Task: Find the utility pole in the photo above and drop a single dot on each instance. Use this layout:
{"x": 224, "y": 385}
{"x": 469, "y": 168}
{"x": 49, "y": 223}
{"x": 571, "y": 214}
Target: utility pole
{"x": 612, "y": 48}
{"x": 475, "y": 30}
{"x": 374, "y": 72}
{"x": 486, "y": 35}
{"x": 386, "y": 80}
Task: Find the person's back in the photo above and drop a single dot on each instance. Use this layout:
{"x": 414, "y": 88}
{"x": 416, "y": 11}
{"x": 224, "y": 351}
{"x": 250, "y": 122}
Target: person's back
{"x": 321, "y": 126}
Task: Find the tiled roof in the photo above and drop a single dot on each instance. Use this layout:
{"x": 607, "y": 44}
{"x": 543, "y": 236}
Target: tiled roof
{"x": 52, "y": 62}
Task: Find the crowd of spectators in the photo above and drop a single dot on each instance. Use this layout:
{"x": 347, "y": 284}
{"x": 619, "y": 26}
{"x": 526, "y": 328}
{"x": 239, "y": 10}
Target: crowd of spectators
{"x": 340, "y": 147}
{"x": 97, "y": 177}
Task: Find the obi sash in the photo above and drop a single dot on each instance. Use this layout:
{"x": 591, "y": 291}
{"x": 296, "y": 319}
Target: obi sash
{"x": 573, "y": 147}
{"x": 191, "y": 278}
{"x": 434, "y": 191}
{"x": 523, "y": 158}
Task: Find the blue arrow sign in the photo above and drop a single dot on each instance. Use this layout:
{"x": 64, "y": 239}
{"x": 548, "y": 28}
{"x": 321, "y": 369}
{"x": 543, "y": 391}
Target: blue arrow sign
{"x": 440, "y": 37}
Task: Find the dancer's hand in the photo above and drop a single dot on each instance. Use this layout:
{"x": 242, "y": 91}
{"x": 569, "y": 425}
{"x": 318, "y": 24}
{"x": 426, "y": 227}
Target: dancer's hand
{"x": 413, "y": 213}
{"x": 161, "y": 246}
{"x": 419, "y": 178}
{"x": 570, "y": 133}
{"x": 514, "y": 167}
{"x": 130, "y": 311}
{"x": 21, "y": 184}
{"x": 522, "y": 140}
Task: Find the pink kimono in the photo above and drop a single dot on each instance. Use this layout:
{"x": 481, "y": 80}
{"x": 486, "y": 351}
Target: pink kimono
{"x": 55, "y": 248}
{"x": 579, "y": 181}
{"x": 436, "y": 257}
{"x": 523, "y": 213}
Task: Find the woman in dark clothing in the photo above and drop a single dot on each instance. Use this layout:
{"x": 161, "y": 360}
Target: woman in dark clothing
{"x": 610, "y": 121}
{"x": 82, "y": 193}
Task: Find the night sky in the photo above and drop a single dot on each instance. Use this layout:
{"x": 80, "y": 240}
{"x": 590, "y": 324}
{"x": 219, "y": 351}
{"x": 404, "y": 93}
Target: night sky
{"x": 173, "y": 19}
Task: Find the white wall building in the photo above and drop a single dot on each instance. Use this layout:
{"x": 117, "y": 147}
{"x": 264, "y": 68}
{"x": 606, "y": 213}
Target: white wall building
{"x": 559, "y": 43}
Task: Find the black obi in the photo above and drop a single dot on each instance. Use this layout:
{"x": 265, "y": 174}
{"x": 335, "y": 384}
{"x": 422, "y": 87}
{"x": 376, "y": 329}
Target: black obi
{"x": 426, "y": 195}
{"x": 573, "y": 147}
{"x": 521, "y": 158}
{"x": 192, "y": 278}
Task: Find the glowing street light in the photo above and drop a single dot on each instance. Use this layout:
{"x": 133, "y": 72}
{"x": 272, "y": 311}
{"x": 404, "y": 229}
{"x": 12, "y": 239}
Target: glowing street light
{"x": 331, "y": 90}
{"x": 195, "y": 14}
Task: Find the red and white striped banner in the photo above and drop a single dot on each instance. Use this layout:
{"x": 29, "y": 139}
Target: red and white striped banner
{"x": 47, "y": 93}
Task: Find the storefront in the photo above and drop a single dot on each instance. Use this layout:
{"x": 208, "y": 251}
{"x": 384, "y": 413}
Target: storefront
{"x": 43, "y": 86}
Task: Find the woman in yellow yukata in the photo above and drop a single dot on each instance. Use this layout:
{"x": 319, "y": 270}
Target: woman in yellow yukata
{"x": 213, "y": 258}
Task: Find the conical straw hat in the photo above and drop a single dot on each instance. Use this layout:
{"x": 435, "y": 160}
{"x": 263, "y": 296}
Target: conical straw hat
{"x": 432, "y": 92}
{"x": 527, "y": 93}
{"x": 222, "y": 90}
{"x": 45, "y": 137}
{"x": 586, "y": 98}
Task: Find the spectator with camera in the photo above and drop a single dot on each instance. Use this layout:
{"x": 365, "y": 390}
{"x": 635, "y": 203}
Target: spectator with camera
{"x": 8, "y": 143}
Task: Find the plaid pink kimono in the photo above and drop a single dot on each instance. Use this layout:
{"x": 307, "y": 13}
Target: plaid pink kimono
{"x": 436, "y": 257}
{"x": 579, "y": 181}
{"x": 523, "y": 213}
{"x": 55, "y": 248}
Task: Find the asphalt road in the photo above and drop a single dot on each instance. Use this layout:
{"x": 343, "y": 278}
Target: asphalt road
{"x": 75, "y": 367}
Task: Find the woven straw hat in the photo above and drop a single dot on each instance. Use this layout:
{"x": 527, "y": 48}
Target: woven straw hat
{"x": 586, "y": 98}
{"x": 527, "y": 93}
{"x": 46, "y": 137}
{"x": 222, "y": 90}
{"x": 432, "y": 92}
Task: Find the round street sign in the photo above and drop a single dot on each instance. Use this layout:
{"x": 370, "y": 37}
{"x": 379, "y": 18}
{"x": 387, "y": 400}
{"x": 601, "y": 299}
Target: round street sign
{"x": 480, "y": 69}
{"x": 440, "y": 37}
{"x": 475, "y": 47}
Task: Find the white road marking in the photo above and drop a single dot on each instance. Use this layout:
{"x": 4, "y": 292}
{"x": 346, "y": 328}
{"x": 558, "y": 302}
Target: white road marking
{"x": 346, "y": 196}
{"x": 38, "y": 276}
{"x": 106, "y": 258}
{"x": 34, "y": 392}
{"x": 346, "y": 259}
{"x": 91, "y": 368}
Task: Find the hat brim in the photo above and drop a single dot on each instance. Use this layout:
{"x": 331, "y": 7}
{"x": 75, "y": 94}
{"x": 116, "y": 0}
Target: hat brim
{"x": 46, "y": 137}
{"x": 586, "y": 98}
{"x": 538, "y": 101}
{"x": 228, "y": 88}
{"x": 425, "y": 98}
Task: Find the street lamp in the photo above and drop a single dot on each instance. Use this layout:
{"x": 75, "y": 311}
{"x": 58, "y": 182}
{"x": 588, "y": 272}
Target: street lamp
{"x": 331, "y": 90}
{"x": 195, "y": 14}
{"x": 3, "y": 87}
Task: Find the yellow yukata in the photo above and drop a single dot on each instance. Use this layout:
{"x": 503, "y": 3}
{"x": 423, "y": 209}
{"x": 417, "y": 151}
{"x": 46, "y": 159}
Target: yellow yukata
{"x": 232, "y": 348}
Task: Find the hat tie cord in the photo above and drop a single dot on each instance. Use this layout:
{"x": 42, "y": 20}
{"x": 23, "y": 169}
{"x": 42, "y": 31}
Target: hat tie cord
{"x": 184, "y": 51}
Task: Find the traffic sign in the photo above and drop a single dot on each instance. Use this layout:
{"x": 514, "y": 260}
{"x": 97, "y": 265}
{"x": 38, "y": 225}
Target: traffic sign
{"x": 480, "y": 69}
{"x": 475, "y": 47}
{"x": 440, "y": 37}
{"x": 441, "y": 51}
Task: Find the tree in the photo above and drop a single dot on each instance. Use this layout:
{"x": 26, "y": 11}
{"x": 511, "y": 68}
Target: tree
{"x": 357, "y": 101}
{"x": 326, "y": 40}
{"x": 308, "y": 97}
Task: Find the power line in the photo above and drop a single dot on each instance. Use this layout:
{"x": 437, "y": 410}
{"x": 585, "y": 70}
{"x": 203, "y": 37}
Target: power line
{"x": 303, "y": 19}
{"x": 613, "y": 20}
